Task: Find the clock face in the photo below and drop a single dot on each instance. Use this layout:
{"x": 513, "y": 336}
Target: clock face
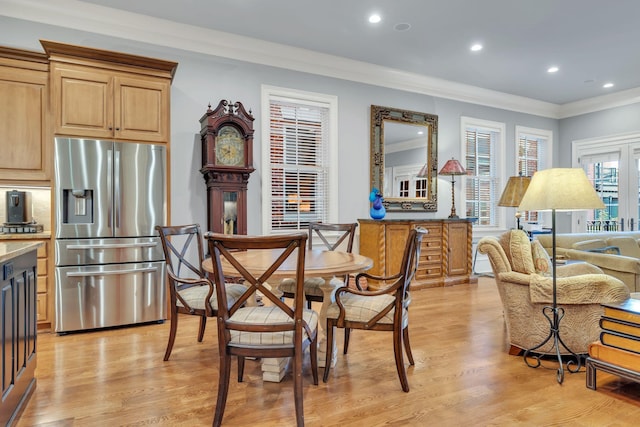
{"x": 229, "y": 147}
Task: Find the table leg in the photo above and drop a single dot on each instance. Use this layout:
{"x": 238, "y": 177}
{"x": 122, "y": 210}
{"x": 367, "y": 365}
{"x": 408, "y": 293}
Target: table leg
{"x": 328, "y": 290}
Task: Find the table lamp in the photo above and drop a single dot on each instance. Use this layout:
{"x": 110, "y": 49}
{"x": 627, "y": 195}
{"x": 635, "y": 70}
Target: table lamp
{"x": 558, "y": 189}
{"x": 513, "y": 193}
{"x": 453, "y": 168}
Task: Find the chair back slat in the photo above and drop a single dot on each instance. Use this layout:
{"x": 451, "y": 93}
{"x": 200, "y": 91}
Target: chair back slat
{"x": 224, "y": 248}
{"x": 332, "y": 235}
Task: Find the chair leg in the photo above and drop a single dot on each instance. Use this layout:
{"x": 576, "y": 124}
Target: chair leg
{"x": 172, "y": 334}
{"x": 397, "y": 351}
{"x": 313, "y": 353}
{"x": 347, "y": 334}
{"x": 297, "y": 387}
{"x": 240, "y": 368}
{"x": 407, "y": 345}
{"x": 203, "y": 324}
{"x": 223, "y": 387}
{"x": 327, "y": 363}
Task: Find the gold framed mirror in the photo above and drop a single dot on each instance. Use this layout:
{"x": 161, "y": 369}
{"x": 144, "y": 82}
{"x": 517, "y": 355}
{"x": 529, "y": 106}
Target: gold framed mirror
{"x": 404, "y": 158}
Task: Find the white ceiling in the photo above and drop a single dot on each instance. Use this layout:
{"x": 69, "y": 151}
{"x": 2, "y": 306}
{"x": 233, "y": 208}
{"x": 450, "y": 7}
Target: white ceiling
{"x": 592, "y": 41}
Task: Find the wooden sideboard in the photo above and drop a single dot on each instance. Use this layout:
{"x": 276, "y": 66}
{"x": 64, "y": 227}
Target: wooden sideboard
{"x": 445, "y": 257}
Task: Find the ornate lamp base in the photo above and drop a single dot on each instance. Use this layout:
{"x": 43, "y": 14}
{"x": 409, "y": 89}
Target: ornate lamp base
{"x": 554, "y": 315}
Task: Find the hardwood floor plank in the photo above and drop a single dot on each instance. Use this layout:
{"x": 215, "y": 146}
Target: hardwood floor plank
{"x": 462, "y": 376}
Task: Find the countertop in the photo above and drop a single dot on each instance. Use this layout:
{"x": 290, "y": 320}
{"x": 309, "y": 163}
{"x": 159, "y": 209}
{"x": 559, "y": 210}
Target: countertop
{"x": 11, "y": 250}
{"x": 25, "y": 236}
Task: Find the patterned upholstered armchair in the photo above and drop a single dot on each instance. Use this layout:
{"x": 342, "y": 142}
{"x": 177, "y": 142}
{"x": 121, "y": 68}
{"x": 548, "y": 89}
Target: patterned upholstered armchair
{"x": 522, "y": 273}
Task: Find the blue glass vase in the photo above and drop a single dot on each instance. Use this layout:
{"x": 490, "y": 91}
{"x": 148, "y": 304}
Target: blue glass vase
{"x": 377, "y": 209}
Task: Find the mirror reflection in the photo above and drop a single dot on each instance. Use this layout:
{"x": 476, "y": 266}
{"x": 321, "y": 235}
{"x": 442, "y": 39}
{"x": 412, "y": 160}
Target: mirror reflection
{"x": 404, "y": 158}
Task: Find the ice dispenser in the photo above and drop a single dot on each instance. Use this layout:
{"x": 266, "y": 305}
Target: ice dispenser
{"x": 77, "y": 206}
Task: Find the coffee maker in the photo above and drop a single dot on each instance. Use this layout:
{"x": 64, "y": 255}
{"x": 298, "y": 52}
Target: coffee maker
{"x": 19, "y": 208}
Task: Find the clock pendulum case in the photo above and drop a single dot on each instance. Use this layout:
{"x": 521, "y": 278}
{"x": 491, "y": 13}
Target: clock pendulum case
{"x": 226, "y": 134}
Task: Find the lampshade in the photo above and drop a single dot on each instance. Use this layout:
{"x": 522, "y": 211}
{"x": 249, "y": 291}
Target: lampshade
{"x": 514, "y": 191}
{"x": 560, "y": 189}
{"x": 452, "y": 167}
{"x": 424, "y": 171}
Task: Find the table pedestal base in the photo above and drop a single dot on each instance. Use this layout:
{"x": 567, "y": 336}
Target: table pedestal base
{"x": 273, "y": 370}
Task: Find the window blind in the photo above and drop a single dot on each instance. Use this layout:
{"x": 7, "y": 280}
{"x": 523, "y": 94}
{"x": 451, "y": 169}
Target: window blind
{"x": 298, "y": 138}
{"x": 482, "y": 178}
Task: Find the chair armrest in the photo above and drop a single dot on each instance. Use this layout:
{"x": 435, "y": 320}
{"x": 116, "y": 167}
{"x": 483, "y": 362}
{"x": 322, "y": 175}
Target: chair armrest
{"x": 607, "y": 261}
{"x": 373, "y": 277}
{"x": 514, "y": 277}
{"x": 583, "y": 289}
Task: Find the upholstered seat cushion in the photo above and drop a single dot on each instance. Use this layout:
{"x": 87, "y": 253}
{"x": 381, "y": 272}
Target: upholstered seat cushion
{"x": 195, "y": 296}
{"x": 360, "y": 308}
{"x": 311, "y": 286}
{"x": 268, "y": 315}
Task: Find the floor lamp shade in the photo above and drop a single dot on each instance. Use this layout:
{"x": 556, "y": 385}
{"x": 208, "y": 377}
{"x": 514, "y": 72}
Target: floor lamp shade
{"x": 560, "y": 189}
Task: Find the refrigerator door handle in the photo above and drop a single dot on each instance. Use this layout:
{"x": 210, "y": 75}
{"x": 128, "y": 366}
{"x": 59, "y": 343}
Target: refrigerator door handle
{"x": 113, "y": 246}
{"x": 111, "y": 273}
{"x": 109, "y": 187}
{"x": 117, "y": 200}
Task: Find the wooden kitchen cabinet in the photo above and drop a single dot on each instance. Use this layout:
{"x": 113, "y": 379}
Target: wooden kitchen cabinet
{"x": 445, "y": 253}
{"x": 18, "y": 325}
{"x": 24, "y": 126}
{"x": 104, "y": 94}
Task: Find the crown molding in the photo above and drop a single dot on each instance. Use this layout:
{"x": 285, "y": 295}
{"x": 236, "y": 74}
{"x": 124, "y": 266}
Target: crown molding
{"x": 106, "y": 21}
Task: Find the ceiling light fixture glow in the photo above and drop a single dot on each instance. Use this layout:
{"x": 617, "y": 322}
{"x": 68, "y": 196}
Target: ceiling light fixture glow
{"x": 476, "y": 47}
{"x": 552, "y": 69}
{"x": 607, "y": 85}
{"x": 375, "y": 18}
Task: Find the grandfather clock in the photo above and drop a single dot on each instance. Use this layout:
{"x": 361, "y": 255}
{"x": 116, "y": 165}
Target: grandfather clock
{"x": 226, "y": 134}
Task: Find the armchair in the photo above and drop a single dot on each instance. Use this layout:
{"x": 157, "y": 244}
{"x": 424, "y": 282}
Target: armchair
{"x": 521, "y": 274}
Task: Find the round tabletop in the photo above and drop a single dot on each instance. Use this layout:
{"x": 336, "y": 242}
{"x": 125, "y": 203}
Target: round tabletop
{"x": 318, "y": 263}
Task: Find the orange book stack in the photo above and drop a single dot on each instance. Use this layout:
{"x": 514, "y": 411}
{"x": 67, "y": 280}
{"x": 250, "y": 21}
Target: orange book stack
{"x": 620, "y": 337}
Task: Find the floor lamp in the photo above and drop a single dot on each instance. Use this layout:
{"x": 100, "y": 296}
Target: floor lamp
{"x": 513, "y": 193}
{"x": 558, "y": 189}
{"x": 453, "y": 168}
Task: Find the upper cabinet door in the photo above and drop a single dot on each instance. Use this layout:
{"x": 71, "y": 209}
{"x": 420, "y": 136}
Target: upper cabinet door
{"x": 141, "y": 108}
{"x": 24, "y": 130}
{"x": 83, "y": 101}
{"x": 101, "y": 104}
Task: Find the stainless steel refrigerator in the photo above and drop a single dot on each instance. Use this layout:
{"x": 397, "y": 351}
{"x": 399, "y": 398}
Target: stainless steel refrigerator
{"x": 110, "y": 267}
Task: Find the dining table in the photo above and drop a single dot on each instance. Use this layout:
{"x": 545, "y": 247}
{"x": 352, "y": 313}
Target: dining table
{"x": 332, "y": 266}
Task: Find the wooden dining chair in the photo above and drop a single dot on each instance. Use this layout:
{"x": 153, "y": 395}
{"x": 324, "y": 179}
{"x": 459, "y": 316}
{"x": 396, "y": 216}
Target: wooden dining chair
{"x": 274, "y": 329}
{"x": 382, "y": 310}
{"x": 333, "y": 236}
{"x": 190, "y": 290}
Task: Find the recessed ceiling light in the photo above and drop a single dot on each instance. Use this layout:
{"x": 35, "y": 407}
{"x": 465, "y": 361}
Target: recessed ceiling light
{"x": 375, "y": 18}
{"x": 607, "y": 85}
{"x": 476, "y": 47}
{"x": 552, "y": 69}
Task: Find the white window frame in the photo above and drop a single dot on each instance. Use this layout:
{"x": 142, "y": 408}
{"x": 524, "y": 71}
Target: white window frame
{"x": 544, "y": 217}
{"x": 500, "y": 129}
{"x": 330, "y": 102}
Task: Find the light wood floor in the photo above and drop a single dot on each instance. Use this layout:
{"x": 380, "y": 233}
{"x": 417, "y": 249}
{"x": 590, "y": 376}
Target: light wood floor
{"x": 463, "y": 377}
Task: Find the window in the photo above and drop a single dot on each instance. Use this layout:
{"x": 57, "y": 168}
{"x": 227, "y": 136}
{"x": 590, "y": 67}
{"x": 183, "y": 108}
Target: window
{"x": 483, "y": 148}
{"x": 532, "y": 154}
{"x": 299, "y": 185}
